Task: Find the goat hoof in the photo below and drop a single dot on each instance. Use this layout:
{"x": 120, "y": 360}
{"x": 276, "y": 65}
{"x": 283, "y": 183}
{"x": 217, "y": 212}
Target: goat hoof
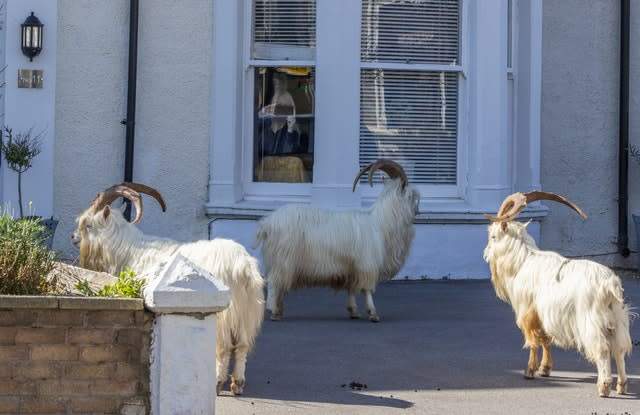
{"x": 374, "y": 319}
{"x": 604, "y": 389}
{"x": 545, "y": 371}
{"x": 529, "y": 373}
{"x": 354, "y": 314}
{"x": 276, "y": 317}
{"x": 237, "y": 387}
{"x": 219, "y": 388}
{"x": 621, "y": 388}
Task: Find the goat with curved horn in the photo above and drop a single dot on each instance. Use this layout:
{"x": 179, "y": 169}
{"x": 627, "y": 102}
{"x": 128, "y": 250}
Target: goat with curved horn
{"x": 108, "y": 242}
{"x": 130, "y": 191}
{"x": 352, "y": 250}
{"x": 514, "y": 203}
{"x": 571, "y": 303}
{"x": 393, "y": 170}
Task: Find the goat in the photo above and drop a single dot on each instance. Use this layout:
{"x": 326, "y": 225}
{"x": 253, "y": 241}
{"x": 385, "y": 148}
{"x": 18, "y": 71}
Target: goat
{"x": 108, "y": 243}
{"x": 558, "y": 301}
{"x": 305, "y": 246}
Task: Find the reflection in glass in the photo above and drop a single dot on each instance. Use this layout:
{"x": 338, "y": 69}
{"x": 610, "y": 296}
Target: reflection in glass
{"x": 283, "y": 124}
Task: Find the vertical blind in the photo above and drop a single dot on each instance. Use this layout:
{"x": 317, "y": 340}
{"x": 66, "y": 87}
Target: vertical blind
{"x": 284, "y": 29}
{"x": 410, "y": 115}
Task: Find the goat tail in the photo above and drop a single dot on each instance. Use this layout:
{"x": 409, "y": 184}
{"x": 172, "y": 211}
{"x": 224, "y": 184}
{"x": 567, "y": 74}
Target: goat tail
{"x": 261, "y": 235}
{"x": 622, "y": 315}
{"x": 615, "y": 290}
{"x": 247, "y": 301}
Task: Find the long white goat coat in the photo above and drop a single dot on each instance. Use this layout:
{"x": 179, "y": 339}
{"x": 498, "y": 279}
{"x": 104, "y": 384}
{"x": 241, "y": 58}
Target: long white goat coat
{"x": 306, "y": 246}
{"x": 579, "y": 302}
{"x": 110, "y": 244}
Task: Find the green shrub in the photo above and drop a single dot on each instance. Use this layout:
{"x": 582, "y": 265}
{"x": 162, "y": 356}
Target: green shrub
{"x": 25, "y": 261}
{"x": 127, "y": 286}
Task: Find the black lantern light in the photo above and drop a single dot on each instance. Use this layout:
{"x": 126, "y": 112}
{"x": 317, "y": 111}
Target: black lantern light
{"x": 31, "y": 36}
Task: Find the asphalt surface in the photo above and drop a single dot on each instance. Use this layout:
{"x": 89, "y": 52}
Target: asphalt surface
{"x": 442, "y": 347}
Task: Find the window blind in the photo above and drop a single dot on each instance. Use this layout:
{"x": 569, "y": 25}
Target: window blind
{"x": 284, "y": 29}
{"x": 410, "y": 31}
{"x": 410, "y": 115}
{"x": 412, "y": 118}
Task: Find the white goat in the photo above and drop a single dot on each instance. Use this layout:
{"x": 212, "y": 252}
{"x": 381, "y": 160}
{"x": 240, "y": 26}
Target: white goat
{"x": 558, "y": 301}
{"x": 108, "y": 243}
{"x": 305, "y": 246}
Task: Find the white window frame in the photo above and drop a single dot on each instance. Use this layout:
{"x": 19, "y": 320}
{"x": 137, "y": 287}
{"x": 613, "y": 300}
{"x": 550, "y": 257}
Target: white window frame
{"x": 485, "y": 172}
{"x": 451, "y": 193}
{"x": 262, "y": 191}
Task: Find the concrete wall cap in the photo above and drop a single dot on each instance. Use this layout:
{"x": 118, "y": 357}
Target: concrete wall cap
{"x": 180, "y": 286}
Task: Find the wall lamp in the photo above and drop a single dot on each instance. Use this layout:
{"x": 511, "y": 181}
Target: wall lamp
{"x": 31, "y": 36}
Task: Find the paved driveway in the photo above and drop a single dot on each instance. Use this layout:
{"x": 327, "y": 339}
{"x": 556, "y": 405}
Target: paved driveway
{"x": 442, "y": 347}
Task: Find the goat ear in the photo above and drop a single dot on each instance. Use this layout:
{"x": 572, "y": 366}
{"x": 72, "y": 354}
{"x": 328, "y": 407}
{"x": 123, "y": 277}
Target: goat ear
{"x": 106, "y": 212}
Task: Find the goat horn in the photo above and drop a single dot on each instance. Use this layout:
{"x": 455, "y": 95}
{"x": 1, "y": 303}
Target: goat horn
{"x": 143, "y": 188}
{"x": 514, "y": 204}
{"x": 107, "y": 197}
{"x": 131, "y": 191}
{"x": 393, "y": 170}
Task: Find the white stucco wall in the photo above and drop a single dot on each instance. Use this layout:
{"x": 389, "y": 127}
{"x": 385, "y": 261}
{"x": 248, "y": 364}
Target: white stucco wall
{"x": 172, "y": 115}
{"x": 634, "y": 120}
{"x": 30, "y": 108}
{"x": 580, "y": 101}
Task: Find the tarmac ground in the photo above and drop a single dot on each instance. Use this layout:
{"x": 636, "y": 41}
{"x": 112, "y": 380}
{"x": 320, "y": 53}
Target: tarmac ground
{"x": 441, "y": 347}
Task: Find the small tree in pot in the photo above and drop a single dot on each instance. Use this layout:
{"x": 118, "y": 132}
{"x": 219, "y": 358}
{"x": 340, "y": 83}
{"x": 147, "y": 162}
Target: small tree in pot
{"x": 19, "y": 150}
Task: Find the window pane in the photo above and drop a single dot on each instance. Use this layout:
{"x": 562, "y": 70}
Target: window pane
{"x": 410, "y": 31}
{"x": 284, "y": 29}
{"x": 283, "y": 124}
{"x": 411, "y": 117}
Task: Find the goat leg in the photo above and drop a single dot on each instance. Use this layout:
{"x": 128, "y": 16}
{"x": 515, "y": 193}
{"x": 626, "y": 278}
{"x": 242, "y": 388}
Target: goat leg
{"x": 352, "y": 306}
{"x": 371, "y": 308}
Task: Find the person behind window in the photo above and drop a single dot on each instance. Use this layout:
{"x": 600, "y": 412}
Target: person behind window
{"x": 278, "y": 132}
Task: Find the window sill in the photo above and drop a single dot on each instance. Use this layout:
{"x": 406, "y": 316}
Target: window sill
{"x": 430, "y": 213}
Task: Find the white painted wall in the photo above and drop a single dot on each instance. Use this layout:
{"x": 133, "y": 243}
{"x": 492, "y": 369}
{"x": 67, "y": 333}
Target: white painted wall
{"x": 26, "y": 109}
{"x": 634, "y": 124}
{"x": 580, "y": 92}
{"x": 173, "y": 109}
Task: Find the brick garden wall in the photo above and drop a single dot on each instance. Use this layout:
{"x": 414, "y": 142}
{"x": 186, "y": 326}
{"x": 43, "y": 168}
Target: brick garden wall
{"x": 72, "y": 355}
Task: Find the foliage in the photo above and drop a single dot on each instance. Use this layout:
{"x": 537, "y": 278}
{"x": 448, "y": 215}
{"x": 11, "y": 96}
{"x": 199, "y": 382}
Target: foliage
{"x": 19, "y": 150}
{"x": 127, "y": 286}
{"x": 25, "y": 261}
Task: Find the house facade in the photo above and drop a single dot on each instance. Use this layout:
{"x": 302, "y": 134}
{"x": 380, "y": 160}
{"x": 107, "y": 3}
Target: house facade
{"x": 244, "y": 106}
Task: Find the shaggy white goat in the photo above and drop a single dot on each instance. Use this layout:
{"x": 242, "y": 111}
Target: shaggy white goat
{"x": 558, "y": 301}
{"x": 108, "y": 243}
{"x": 305, "y": 246}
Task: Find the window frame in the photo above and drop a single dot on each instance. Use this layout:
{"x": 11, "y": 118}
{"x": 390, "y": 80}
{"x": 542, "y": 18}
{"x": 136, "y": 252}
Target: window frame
{"x": 487, "y": 170}
{"x": 441, "y": 192}
{"x": 262, "y": 191}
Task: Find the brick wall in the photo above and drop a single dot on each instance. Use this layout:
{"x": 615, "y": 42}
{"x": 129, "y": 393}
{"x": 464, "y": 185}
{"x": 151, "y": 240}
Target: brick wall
{"x": 72, "y": 355}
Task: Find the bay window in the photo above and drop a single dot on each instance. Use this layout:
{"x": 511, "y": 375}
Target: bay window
{"x": 308, "y": 91}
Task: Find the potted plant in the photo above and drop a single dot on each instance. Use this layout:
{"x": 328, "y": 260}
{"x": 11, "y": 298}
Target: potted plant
{"x": 19, "y": 150}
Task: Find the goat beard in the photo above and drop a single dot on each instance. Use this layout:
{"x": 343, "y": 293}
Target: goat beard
{"x": 88, "y": 258}
{"x": 498, "y": 281}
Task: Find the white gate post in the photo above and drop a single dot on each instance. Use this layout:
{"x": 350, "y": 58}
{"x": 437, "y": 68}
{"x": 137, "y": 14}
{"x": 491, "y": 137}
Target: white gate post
{"x": 185, "y": 299}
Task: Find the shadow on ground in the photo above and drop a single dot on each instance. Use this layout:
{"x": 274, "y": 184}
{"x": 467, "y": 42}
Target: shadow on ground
{"x": 434, "y": 338}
